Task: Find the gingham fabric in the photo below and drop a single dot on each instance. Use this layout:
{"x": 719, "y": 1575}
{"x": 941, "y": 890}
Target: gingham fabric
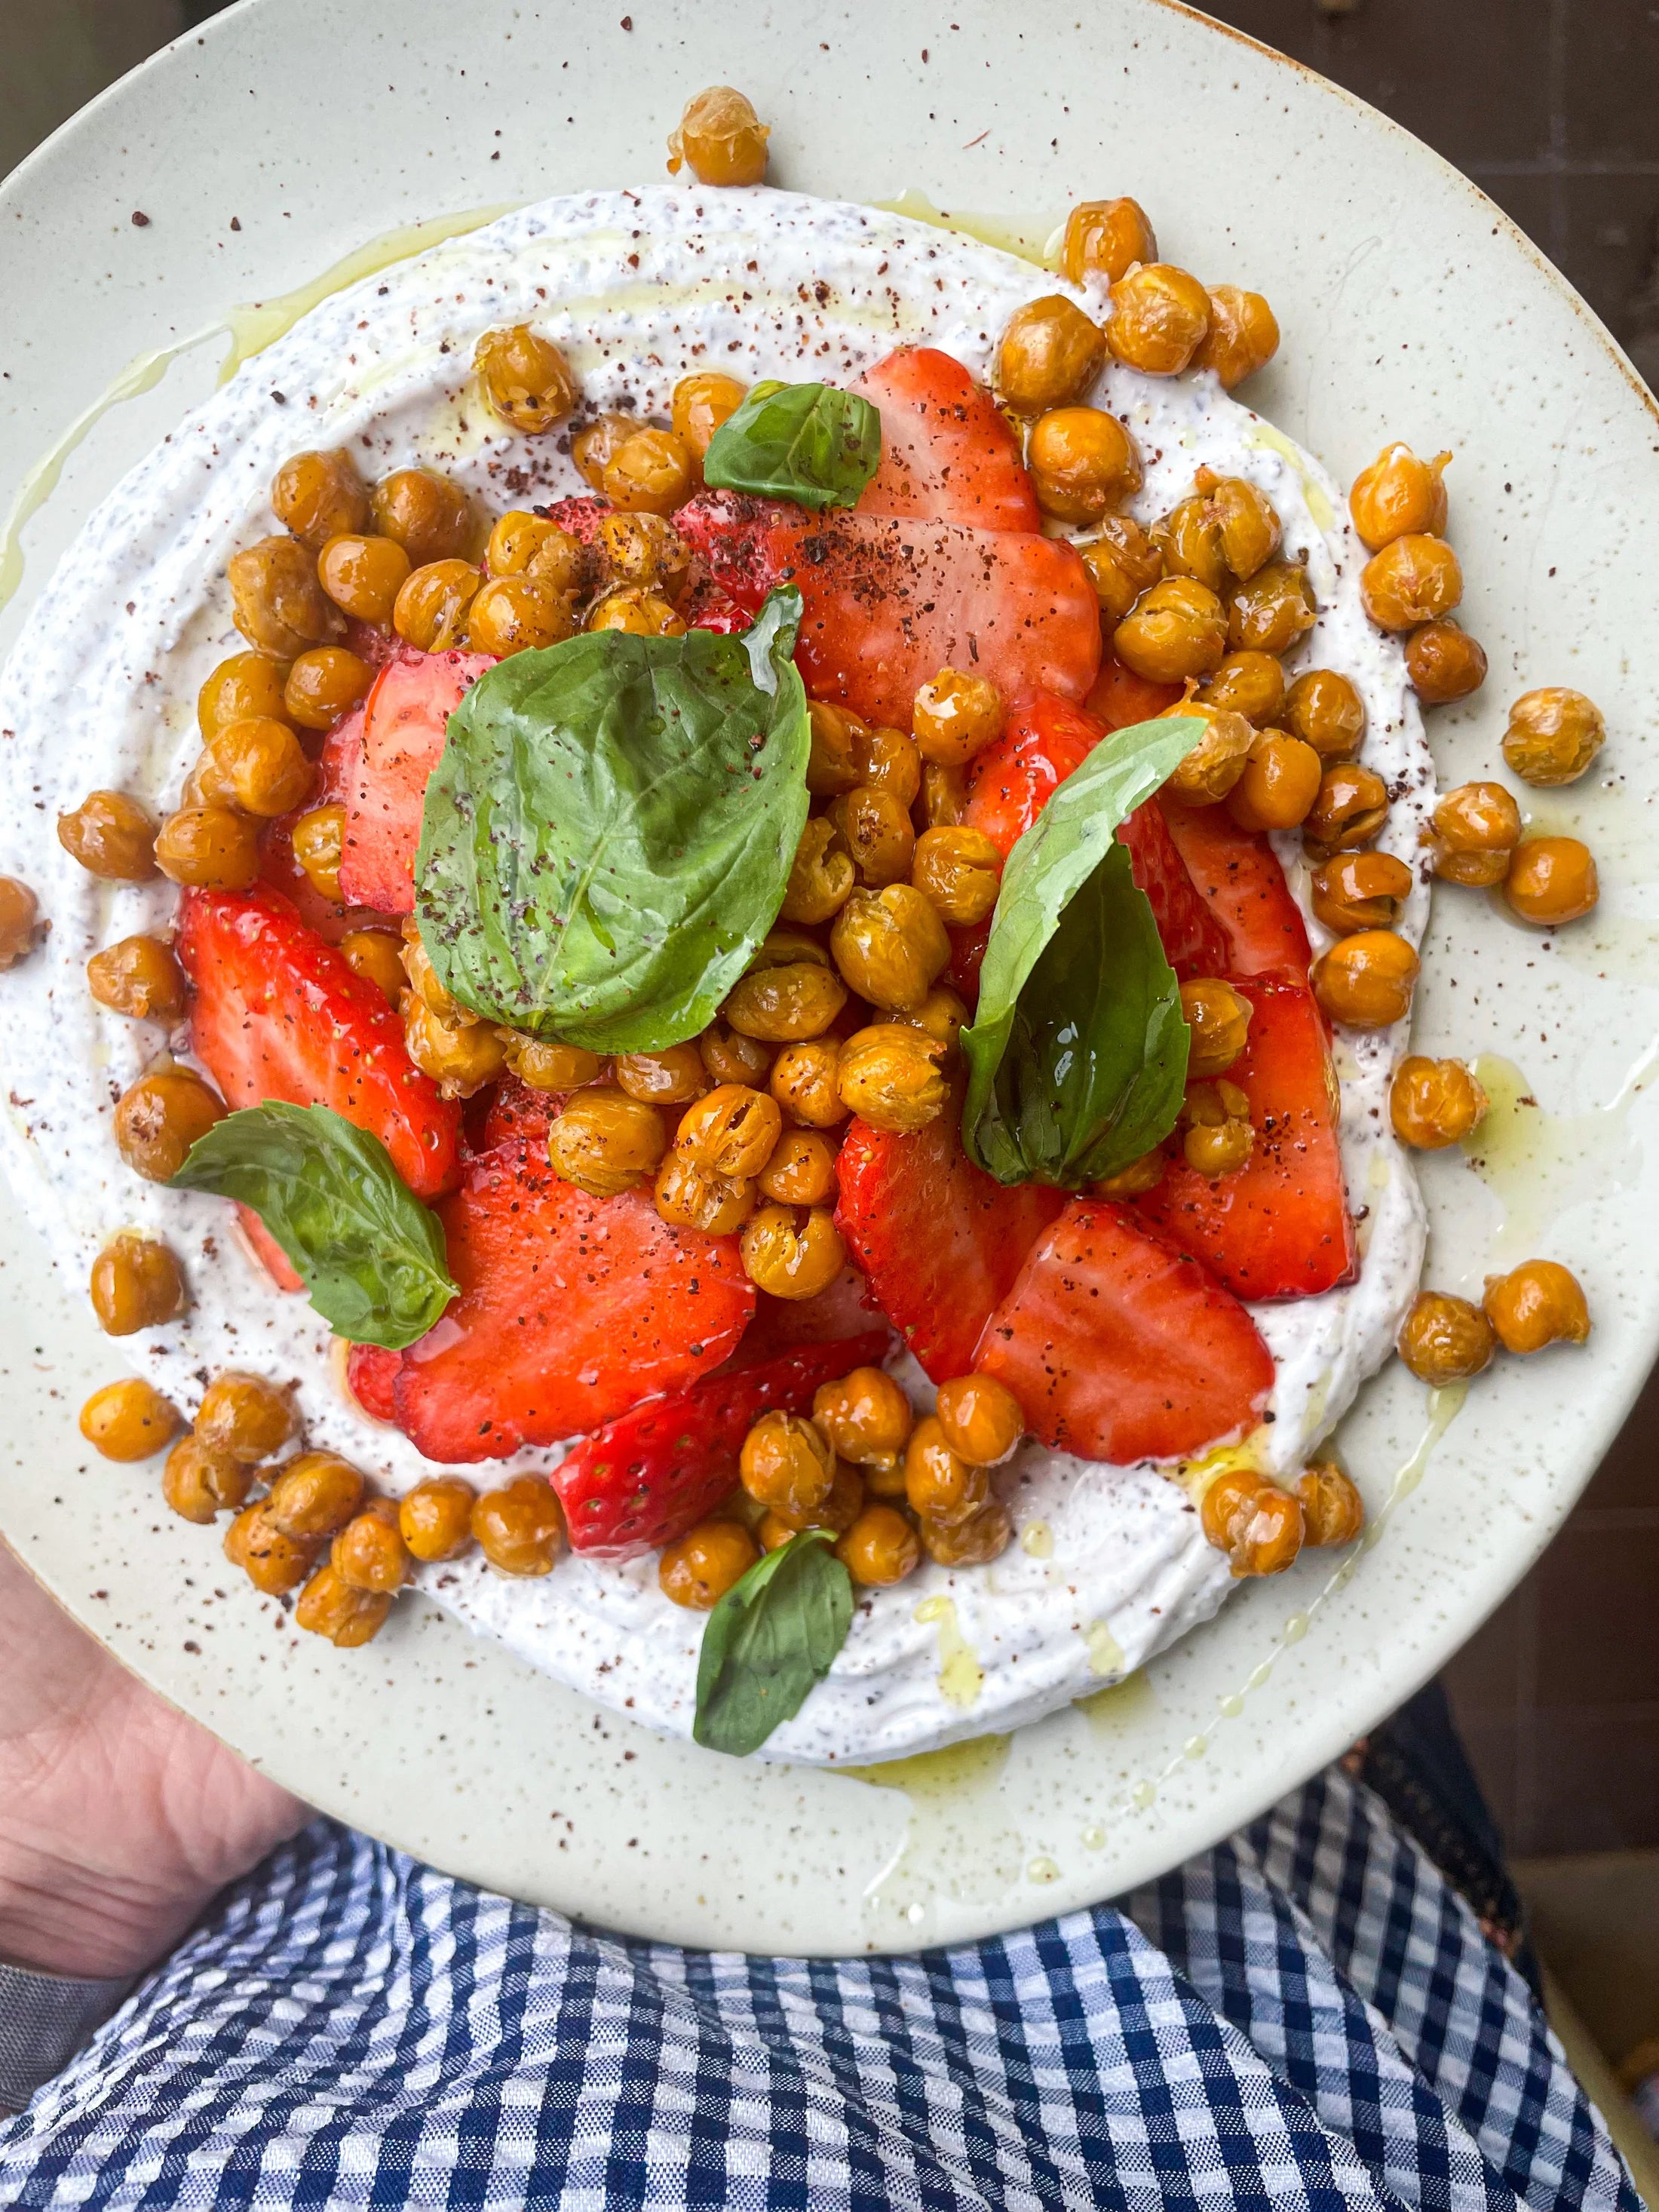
{"x": 1306, "y": 2015}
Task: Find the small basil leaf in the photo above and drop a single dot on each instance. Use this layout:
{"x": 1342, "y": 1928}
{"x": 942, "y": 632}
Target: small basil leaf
{"x": 370, "y": 1253}
{"x": 608, "y": 835}
{"x": 811, "y": 443}
{"x": 773, "y": 1634}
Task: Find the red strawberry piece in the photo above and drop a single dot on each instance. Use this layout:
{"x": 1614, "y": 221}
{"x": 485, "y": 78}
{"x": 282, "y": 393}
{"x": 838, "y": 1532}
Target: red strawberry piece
{"x": 707, "y": 607}
{"x": 407, "y": 720}
{"x": 372, "y": 1377}
{"x": 1279, "y": 1226}
{"x": 640, "y": 1481}
{"x": 572, "y": 1310}
{"x": 939, "y": 1241}
{"x": 1194, "y": 943}
{"x": 947, "y": 455}
{"x": 373, "y": 642}
{"x": 890, "y": 600}
{"x": 1119, "y": 1347}
{"x": 1238, "y": 875}
{"x": 967, "y": 958}
{"x": 580, "y": 517}
{"x": 278, "y": 1014}
{"x": 518, "y": 1115}
{"x": 846, "y": 1308}
{"x": 269, "y": 1253}
{"x": 1121, "y": 697}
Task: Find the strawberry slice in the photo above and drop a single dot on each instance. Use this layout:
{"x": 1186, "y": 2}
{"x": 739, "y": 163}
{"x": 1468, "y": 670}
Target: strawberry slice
{"x": 518, "y": 1115}
{"x": 939, "y": 1241}
{"x": 405, "y": 722}
{"x": 278, "y": 1014}
{"x": 947, "y": 455}
{"x": 1119, "y": 697}
{"x": 967, "y": 958}
{"x": 1238, "y": 875}
{"x": 846, "y": 1308}
{"x": 371, "y": 1376}
{"x": 1279, "y": 1226}
{"x": 268, "y": 1252}
{"x": 640, "y": 1481}
{"x": 890, "y": 600}
{"x": 572, "y": 1310}
{"x": 580, "y": 517}
{"x": 1194, "y": 943}
{"x": 1119, "y": 1347}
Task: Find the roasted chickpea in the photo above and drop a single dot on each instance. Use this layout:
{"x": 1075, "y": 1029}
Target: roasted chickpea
{"x": 1360, "y": 890}
{"x": 1242, "y": 336}
{"x": 642, "y": 551}
{"x": 460, "y": 1057}
{"x": 276, "y": 599}
{"x": 431, "y": 611}
{"x": 525, "y": 380}
{"x": 140, "y": 978}
{"x": 1279, "y": 785}
{"x": 883, "y": 1476}
{"x": 672, "y": 1078}
{"x": 248, "y": 683}
{"x": 112, "y": 836}
{"x": 545, "y": 1066}
{"x": 1158, "y": 320}
{"x": 701, "y": 402}
{"x": 730, "y": 1132}
{"x": 210, "y": 848}
{"x": 430, "y": 517}
{"x": 651, "y": 472}
{"x": 866, "y": 1416}
{"x": 941, "y": 1485}
{"x": 1177, "y": 630}
{"x": 1399, "y": 496}
{"x": 1444, "y": 1339}
{"x": 605, "y": 1142}
{"x": 975, "y": 1542}
{"x": 318, "y": 842}
{"x": 1219, "y": 1022}
{"x": 688, "y": 1195}
{"x": 363, "y": 575}
{"x": 1083, "y": 463}
{"x": 979, "y": 1419}
{"x": 1189, "y": 538}
{"x": 1325, "y": 711}
{"x": 1434, "y": 1103}
{"x": 1366, "y": 980}
{"x": 273, "y": 1563}
{"x": 370, "y": 1552}
{"x": 639, "y": 613}
{"x": 943, "y": 797}
{"x": 1444, "y": 662}
{"x": 1122, "y": 562}
{"x": 1538, "y": 1303}
{"x": 732, "y": 1058}
{"x": 801, "y": 1169}
{"x": 836, "y": 1512}
{"x": 435, "y": 1518}
{"x": 941, "y": 1016}
{"x": 956, "y": 716}
{"x": 877, "y": 831}
{"x": 522, "y": 544}
{"x": 1134, "y": 1181}
{"x": 1105, "y": 238}
{"x": 317, "y": 496}
{"x": 880, "y": 1548}
{"x": 890, "y": 945}
{"x": 346, "y": 1617}
{"x": 1222, "y": 535}
{"x": 1412, "y": 579}
{"x": 1476, "y": 829}
{"x": 593, "y": 444}
{"x": 1216, "y": 762}
{"x": 1218, "y": 1137}
{"x": 1275, "y": 609}
{"x": 1050, "y": 352}
{"x": 1552, "y": 880}
{"x": 376, "y": 955}
{"x": 1348, "y": 811}
{"x": 1251, "y": 684}
{"x": 1333, "y": 1511}
{"x": 199, "y": 1486}
{"x": 1255, "y": 1523}
{"x": 136, "y": 1284}
{"x": 889, "y": 761}
{"x": 832, "y": 765}
{"x": 518, "y": 614}
{"x": 696, "y": 1569}
{"x": 805, "y": 1082}
{"x": 720, "y": 139}
{"x": 959, "y": 873}
{"x": 424, "y": 980}
{"x": 1553, "y": 735}
{"x": 245, "y": 1419}
{"x": 820, "y": 877}
{"x": 519, "y": 1528}
{"x": 786, "y": 1462}
{"x": 889, "y": 1077}
{"x": 791, "y": 1254}
{"x": 159, "y": 1119}
{"x": 785, "y": 1004}
{"x": 127, "y": 1420}
{"x": 258, "y": 768}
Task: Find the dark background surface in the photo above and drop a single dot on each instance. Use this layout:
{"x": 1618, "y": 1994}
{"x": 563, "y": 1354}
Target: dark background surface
{"x": 1549, "y": 105}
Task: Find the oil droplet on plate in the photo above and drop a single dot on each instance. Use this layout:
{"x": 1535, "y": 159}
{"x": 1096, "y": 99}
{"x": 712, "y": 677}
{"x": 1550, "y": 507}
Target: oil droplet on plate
{"x": 1231, "y": 1705}
{"x": 1035, "y": 241}
{"x": 1195, "y": 1746}
{"x": 1295, "y": 1628}
{"x": 1094, "y": 1836}
{"x": 1105, "y": 1652}
{"x": 1143, "y": 1794}
{"x": 961, "y": 1677}
{"x": 1042, "y": 1869}
{"x": 1538, "y": 1163}
{"x": 1038, "y": 1541}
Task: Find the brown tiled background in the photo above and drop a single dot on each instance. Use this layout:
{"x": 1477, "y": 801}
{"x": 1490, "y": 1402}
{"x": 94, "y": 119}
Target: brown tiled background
{"x": 1549, "y": 104}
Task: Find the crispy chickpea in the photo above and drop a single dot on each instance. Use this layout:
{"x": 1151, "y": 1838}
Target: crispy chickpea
{"x": 1553, "y": 735}
{"x": 1348, "y": 811}
{"x": 244, "y": 1418}
{"x": 943, "y": 797}
{"x": 721, "y": 138}
{"x": 785, "y": 1004}
{"x": 208, "y": 847}
{"x": 641, "y": 613}
{"x": 460, "y": 1057}
{"x": 690, "y": 1195}
{"x": 833, "y": 764}
{"x": 772, "y": 1532}
{"x": 956, "y": 716}
{"x": 1412, "y": 579}
{"x": 805, "y": 1082}
{"x": 199, "y": 1486}
{"x": 1177, "y": 630}
{"x": 820, "y": 877}
{"x": 518, "y": 614}
{"x": 319, "y": 843}
{"x": 545, "y": 1066}
{"x": 883, "y": 1476}
{"x": 696, "y": 1569}
{"x": 1251, "y": 684}
{"x": 247, "y": 683}
{"x": 642, "y": 549}
{"x": 112, "y": 836}
{"x": 1189, "y": 538}
{"x": 1219, "y": 1020}
{"x": 651, "y": 472}
{"x": 522, "y": 543}
{"x": 376, "y": 955}
{"x": 1275, "y": 609}
{"x": 890, "y": 945}
{"x": 1325, "y": 711}
{"x": 1122, "y": 562}
{"x": 1242, "y": 336}
{"x": 322, "y": 684}
{"x": 605, "y": 1142}
{"x": 793, "y": 1254}
{"x": 1105, "y": 238}
{"x": 731, "y": 1132}
{"x": 1050, "y": 352}
{"x": 1214, "y": 765}
{"x": 1279, "y": 783}
{"x": 888, "y": 761}
{"x": 424, "y": 981}
{"x": 801, "y": 1169}
{"x": 519, "y": 1528}
{"x": 435, "y": 1518}
{"x": 159, "y": 1119}
{"x": 1538, "y": 1303}
{"x": 1360, "y": 890}
{"x": 331, "y": 1608}
{"x": 273, "y": 1563}
{"x": 876, "y": 831}
{"x": 1218, "y": 1138}
{"x": 1222, "y": 535}
{"x": 370, "y": 1552}
{"x": 317, "y": 496}
{"x": 786, "y": 1462}
{"x": 1444, "y": 662}
{"x": 1158, "y": 320}
{"x": 836, "y": 1512}
{"x": 526, "y": 379}
{"x": 1255, "y": 1523}
{"x": 593, "y": 446}
{"x": 979, "y": 1419}
{"x": 1333, "y": 1511}
{"x": 127, "y": 1420}
{"x": 1083, "y": 463}
{"x": 701, "y": 402}
{"x": 1552, "y": 880}
{"x": 975, "y": 1542}
{"x": 1366, "y": 980}
{"x": 889, "y": 1077}
{"x": 425, "y": 514}
{"x": 941, "y": 1015}
{"x": 959, "y": 872}
{"x": 865, "y": 1415}
{"x": 1399, "y": 496}
{"x": 257, "y": 767}
{"x": 430, "y": 611}
{"x": 1444, "y": 1339}
{"x": 1476, "y": 829}
{"x": 276, "y": 601}
{"x": 136, "y": 1284}
{"x": 939, "y": 1484}
{"x": 672, "y": 1078}
{"x": 139, "y": 977}
{"x": 1134, "y": 1181}
{"x": 880, "y": 1548}
{"x": 733, "y": 1059}
{"x": 1434, "y": 1103}
{"x": 363, "y": 575}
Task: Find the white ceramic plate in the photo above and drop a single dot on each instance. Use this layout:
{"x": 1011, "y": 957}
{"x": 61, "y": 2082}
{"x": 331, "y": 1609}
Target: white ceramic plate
{"x": 1411, "y": 308}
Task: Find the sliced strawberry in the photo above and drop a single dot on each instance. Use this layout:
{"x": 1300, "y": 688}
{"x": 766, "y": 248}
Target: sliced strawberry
{"x": 640, "y": 1481}
{"x": 940, "y": 1241}
{"x": 572, "y": 1310}
{"x": 707, "y": 607}
{"x": 372, "y": 1378}
{"x": 1279, "y": 1227}
{"x": 406, "y": 721}
{"x": 1119, "y": 697}
{"x": 1119, "y": 1347}
{"x": 1238, "y": 875}
{"x": 890, "y": 600}
{"x": 278, "y": 1014}
{"x": 1012, "y": 780}
{"x": 1194, "y": 943}
{"x": 947, "y": 455}
{"x": 847, "y": 1308}
{"x": 967, "y": 958}
{"x": 269, "y": 1253}
{"x": 580, "y": 517}
{"x": 517, "y": 1115}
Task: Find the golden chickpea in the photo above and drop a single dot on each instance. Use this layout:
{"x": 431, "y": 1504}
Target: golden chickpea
{"x": 435, "y": 1518}
{"x": 1251, "y": 684}
{"x": 460, "y": 1057}
{"x": 317, "y": 496}
{"x": 245, "y": 1419}
{"x": 210, "y": 848}
{"x": 1213, "y": 767}
{"x": 692, "y": 1196}
{"x": 791, "y": 1255}
{"x": 1134, "y": 1181}
{"x": 322, "y": 684}
{"x": 732, "y": 1058}
{"x": 1476, "y": 829}
{"x": 1158, "y": 320}
{"x": 833, "y": 764}
{"x": 837, "y": 1512}
{"x": 1275, "y": 609}
{"x": 731, "y": 1132}
{"x": 20, "y": 920}
{"x": 1218, "y": 1138}
{"x": 890, "y": 1076}
{"x": 1245, "y": 519}
{"x": 593, "y": 446}
{"x": 883, "y": 1476}
{"x": 696, "y": 1569}
{"x": 701, "y": 402}
{"x": 1258, "y": 1525}
{"x": 1325, "y": 711}
{"x": 330, "y": 1608}
{"x": 639, "y": 613}
{"x": 959, "y": 872}
{"x": 272, "y": 1562}
{"x": 1348, "y": 811}
{"x": 424, "y": 981}
{"x": 1444, "y": 662}
{"x": 880, "y": 1548}
{"x": 888, "y": 761}
{"x": 865, "y": 1415}
{"x": 820, "y": 877}
{"x": 1177, "y": 630}
{"x": 430, "y": 517}
{"x": 1360, "y": 890}
{"x": 1049, "y": 353}
{"x": 1242, "y": 336}
{"x": 1444, "y": 1339}
{"x": 276, "y": 601}
{"x": 1105, "y": 238}
{"x": 519, "y": 1528}
{"x": 641, "y": 549}
{"x": 1333, "y": 1511}
{"x": 258, "y": 768}
{"x": 956, "y": 716}
{"x": 876, "y": 830}
{"x": 805, "y": 1082}
{"x": 139, "y": 977}
{"x": 431, "y": 609}
{"x": 1188, "y": 538}
{"x": 939, "y": 1484}
{"x": 1434, "y": 1103}
{"x": 1412, "y": 579}
{"x": 891, "y": 946}
{"x": 1552, "y": 880}
{"x": 136, "y": 1284}
{"x": 1122, "y": 562}
{"x": 783, "y": 1005}
{"x": 605, "y": 1141}
{"x": 941, "y": 1015}
{"x": 545, "y": 1066}
{"x": 1553, "y": 735}
{"x": 1399, "y": 496}
{"x": 160, "y": 1117}
{"x": 1219, "y": 1020}
{"x": 376, "y": 955}
{"x": 979, "y": 1419}
{"x": 720, "y": 139}
{"x": 801, "y": 1170}
{"x": 772, "y": 1532}
{"x": 127, "y": 1420}
{"x": 112, "y": 836}
{"x": 199, "y": 1486}
{"x": 1366, "y": 980}
{"x": 522, "y": 544}
{"x": 1083, "y": 463}
{"x": 975, "y": 1542}
{"x": 943, "y": 799}
{"x": 786, "y": 1462}
{"x": 651, "y": 473}
{"x": 248, "y": 683}
{"x": 319, "y": 843}
{"x": 363, "y": 575}
{"x": 671, "y": 1078}
{"x": 525, "y": 380}
{"x": 370, "y": 1552}
{"x": 1538, "y": 1303}
{"x": 1279, "y": 783}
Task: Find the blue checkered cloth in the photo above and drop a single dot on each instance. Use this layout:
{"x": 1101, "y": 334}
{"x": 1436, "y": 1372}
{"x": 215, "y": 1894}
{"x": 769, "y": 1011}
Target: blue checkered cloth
{"x": 1306, "y": 2015}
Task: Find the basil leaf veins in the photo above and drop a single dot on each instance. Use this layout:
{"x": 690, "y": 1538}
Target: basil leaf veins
{"x": 773, "y": 1634}
{"x": 369, "y": 1253}
{"x": 1076, "y": 1056}
{"x": 608, "y": 835}
{"x": 811, "y": 443}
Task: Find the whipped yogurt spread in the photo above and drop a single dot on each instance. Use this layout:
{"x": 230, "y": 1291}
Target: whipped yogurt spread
{"x": 1108, "y": 1564}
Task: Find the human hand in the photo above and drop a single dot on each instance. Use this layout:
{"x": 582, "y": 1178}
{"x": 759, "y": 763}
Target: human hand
{"x": 119, "y": 1817}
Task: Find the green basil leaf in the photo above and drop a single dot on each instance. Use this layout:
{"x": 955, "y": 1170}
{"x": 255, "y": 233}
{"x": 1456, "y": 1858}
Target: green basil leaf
{"x": 811, "y": 443}
{"x": 608, "y": 835}
{"x": 773, "y": 1634}
{"x": 370, "y": 1253}
{"x": 1077, "y": 1055}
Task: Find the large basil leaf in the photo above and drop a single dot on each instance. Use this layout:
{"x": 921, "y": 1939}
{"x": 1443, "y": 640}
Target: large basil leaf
{"x": 1077, "y": 1053}
{"x": 608, "y": 835}
{"x": 811, "y": 443}
{"x": 370, "y": 1253}
{"x": 773, "y": 1634}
